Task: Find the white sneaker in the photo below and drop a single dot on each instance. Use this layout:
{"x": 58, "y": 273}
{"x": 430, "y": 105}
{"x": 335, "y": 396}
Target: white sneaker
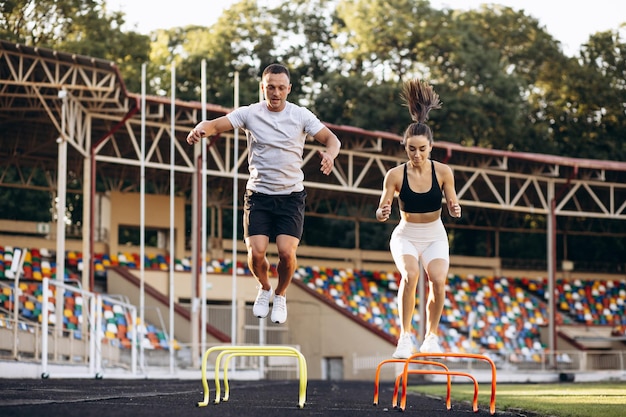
{"x": 279, "y": 309}
{"x": 405, "y": 347}
{"x": 262, "y": 303}
{"x": 431, "y": 345}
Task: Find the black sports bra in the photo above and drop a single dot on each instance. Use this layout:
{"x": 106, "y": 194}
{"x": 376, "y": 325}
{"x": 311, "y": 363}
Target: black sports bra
{"x": 412, "y": 202}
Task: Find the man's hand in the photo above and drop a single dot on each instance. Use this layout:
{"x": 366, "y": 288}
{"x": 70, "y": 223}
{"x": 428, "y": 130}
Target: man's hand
{"x": 327, "y": 162}
{"x": 195, "y": 135}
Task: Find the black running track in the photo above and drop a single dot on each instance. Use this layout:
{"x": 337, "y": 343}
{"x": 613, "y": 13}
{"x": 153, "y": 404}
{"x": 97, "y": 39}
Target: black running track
{"x": 179, "y": 398}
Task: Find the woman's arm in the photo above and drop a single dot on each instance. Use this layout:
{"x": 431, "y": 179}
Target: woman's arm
{"x": 449, "y": 192}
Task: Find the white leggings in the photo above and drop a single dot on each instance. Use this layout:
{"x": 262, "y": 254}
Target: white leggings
{"x": 426, "y": 240}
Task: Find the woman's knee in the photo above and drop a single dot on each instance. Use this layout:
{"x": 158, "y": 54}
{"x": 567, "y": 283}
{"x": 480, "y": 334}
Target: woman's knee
{"x": 409, "y": 278}
{"x": 437, "y": 270}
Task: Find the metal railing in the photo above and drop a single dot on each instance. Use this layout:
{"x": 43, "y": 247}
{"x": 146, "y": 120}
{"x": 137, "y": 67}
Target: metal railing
{"x": 566, "y": 361}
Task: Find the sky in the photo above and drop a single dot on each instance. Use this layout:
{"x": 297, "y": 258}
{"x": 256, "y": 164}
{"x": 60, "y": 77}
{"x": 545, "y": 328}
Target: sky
{"x": 569, "y": 22}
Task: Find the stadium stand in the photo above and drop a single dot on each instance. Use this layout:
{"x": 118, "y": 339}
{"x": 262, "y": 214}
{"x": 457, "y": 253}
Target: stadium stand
{"x": 39, "y": 263}
{"x": 495, "y": 314}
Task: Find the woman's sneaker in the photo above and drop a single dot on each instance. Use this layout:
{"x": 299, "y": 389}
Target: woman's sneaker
{"x": 431, "y": 345}
{"x": 405, "y": 347}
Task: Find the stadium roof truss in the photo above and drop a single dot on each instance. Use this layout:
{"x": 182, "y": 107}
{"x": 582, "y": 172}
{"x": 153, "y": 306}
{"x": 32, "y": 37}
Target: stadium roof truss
{"x": 48, "y": 96}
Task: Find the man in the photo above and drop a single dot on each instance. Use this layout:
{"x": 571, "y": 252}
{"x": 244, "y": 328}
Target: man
{"x": 274, "y": 200}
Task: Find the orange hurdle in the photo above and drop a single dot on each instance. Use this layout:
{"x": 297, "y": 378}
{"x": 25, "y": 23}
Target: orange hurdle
{"x": 414, "y": 359}
{"x": 395, "y": 392}
{"x": 446, "y": 372}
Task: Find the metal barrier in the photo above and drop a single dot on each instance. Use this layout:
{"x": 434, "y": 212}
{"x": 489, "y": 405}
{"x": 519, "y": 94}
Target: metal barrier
{"x": 94, "y": 318}
{"x": 446, "y": 372}
{"x": 254, "y": 350}
{"x": 414, "y": 359}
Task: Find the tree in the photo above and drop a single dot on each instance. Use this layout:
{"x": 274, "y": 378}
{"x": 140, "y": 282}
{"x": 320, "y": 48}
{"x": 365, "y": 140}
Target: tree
{"x": 83, "y": 27}
{"x": 454, "y": 51}
{"x": 361, "y": 101}
{"x": 241, "y": 40}
{"x": 246, "y": 38}
{"x": 600, "y": 88}
{"x": 491, "y": 59}
{"x": 384, "y": 36}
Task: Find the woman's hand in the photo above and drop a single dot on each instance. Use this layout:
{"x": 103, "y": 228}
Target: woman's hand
{"x": 383, "y": 212}
{"x": 454, "y": 209}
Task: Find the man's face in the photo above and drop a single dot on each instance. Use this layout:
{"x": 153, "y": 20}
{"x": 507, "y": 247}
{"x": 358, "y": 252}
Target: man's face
{"x": 276, "y": 88}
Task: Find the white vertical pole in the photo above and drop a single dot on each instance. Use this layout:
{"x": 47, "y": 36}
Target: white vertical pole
{"x": 142, "y": 222}
{"x": 93, "y": 333}
{"x": 262, "y": 321}
{"x": 551, "y": 252}
{"x": 99, "y": 334}
{"x": 203, "y": 233}
{"x": 133, "y": 349}
{"x": 233, "y": 320}
{"x": 172, "y": 251}
{"x": 61, "y": 202}
{"x": 423, "y": 283}
{"x": 19, "y": 255}
{"x": 44, "y": 329}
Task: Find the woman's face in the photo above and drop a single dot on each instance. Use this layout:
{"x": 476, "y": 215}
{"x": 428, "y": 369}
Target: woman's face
{"x": 418, "y": 149}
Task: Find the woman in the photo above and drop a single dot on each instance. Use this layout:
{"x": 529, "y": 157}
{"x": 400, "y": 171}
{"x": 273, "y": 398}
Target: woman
{"x": 420, "y": 234}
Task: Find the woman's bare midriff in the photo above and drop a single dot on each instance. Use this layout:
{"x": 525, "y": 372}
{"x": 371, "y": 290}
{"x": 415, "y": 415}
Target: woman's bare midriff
{"x": 420, "y": 217}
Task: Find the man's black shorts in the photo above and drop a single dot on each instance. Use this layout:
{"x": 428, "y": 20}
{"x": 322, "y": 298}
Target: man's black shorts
{"x": 273, "y": 215}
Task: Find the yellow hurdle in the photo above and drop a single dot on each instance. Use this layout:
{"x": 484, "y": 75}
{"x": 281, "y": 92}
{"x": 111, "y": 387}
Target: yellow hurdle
{"x": 230, "y": 351}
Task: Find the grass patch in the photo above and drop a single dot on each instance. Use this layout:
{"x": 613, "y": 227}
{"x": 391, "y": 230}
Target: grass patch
{"x": 605, "y": 399}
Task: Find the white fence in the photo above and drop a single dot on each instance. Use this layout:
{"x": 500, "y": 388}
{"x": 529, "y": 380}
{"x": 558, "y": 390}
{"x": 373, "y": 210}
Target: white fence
{"x": 84, "y": 346}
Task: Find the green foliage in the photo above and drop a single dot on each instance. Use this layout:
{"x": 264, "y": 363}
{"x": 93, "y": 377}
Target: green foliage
{"x": 353, "y": 102}
{"x": 504, "y": 81}
{"x": 24, "y": 204}
{"x": 79, "y": 26}
{"x": 385, "y": 36}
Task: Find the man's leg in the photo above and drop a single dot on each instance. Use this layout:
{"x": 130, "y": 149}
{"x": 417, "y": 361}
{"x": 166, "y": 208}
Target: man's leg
{"x": 287, "y": 262}
{"x": 257, "y": 259}
{"x": 259, "y": 265}
{"x": 288, "y": 226}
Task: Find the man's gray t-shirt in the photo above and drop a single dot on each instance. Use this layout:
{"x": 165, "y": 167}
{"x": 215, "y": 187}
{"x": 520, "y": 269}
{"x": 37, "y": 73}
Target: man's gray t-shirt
{"x": 275, "y": 145}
